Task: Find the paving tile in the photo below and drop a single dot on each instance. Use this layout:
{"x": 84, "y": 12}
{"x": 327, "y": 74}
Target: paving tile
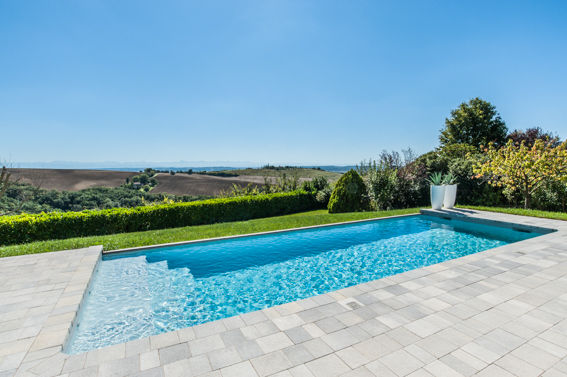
{"x": 535, "y": 356}
{"x": 271, "y": 363}
{"x": 288, "y": 322}
{"x": 340, "y": 339}
{"x": 298, "y": 354}
{"x": 518, "y": 367}
{"x": 224, "y": 357}
{"x": 352, "y": 357}
{"x": 249, "y": 350}
{"x": 298, "y": 334}
{"x": 317, "y": 347}
{"x": 173, "y": 353}
{"x": 300, "y": 371}
{"x": 120, "y": 367}
{"x": 149, "y": 360}
{"x": 243, "y": 369}
{"x": 401, "y": 362}
{"x": 274, "y": 342}
{"x": 164, "y": 340}
{"x": 327, "y": 366}
{"x": 206, "y": 345}
{"x": 438, "y": 368}
{"x": 494, "y": 371}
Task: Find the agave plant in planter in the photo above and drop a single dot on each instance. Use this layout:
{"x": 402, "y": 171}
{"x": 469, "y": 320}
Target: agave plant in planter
{"x": 436, "y": 190}
{"x": 450, "y": 182}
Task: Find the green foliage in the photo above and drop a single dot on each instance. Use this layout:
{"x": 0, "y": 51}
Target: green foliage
{"x": 530, "y": 135}
{"x": 55, "y": 225}
{"x": 320, "y": 187}
{"x": 458, "y": 160}
{"x": 475, "y": 123}
{"x": 217, "y": 173}
{"x": 436, "y": 179}
{"x": 4, "y": 181}
{"x": 349, "y": 194}
{"x": 394, "y": 181}
{"x": 29, "y": 199}
{"x": 144, "y": 181}
{"x": 551, "y": 196}
{"x": 523, "y": 169}
{"x": 152, "y": 237}
{"x": 449, "y": 179}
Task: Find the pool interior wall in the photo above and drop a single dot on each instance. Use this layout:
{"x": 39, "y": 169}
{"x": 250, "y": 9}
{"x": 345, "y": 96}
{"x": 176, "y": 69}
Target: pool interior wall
{"x": 143, "y": 293}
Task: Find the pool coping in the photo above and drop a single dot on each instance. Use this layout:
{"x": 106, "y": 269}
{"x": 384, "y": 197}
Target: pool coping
{"x": 46, "y": 355}
{"x": 277, "y": 231}
{"x": 444, "y": 214}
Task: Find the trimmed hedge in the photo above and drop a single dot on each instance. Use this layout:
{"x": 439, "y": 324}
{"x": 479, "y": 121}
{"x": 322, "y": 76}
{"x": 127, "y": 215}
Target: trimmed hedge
{"x": 59, "y": 225}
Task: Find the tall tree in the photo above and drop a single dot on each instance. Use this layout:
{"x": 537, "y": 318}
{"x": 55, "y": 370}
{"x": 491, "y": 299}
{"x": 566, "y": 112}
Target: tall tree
{"x": 4, "y": 180}
{"x": 530, "y": 135}
{"x": 475, "y": 123}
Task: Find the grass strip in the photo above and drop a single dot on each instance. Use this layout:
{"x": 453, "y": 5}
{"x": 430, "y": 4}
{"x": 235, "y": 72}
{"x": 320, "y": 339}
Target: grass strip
{"x": 522, "y": 212}
{"x": 125, "y": 240}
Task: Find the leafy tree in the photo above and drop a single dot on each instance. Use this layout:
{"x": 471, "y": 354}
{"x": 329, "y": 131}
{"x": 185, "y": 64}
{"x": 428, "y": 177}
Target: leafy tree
{"x": 519, "y": 168}
{"x": 530, "y": 135}
{"x": 4, "y": 180}
{"x": 475, "y": 123}
{"x": 349, "y": 194}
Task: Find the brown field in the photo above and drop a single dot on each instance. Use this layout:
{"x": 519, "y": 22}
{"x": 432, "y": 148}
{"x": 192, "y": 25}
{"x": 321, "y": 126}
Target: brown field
{"x": 179, "y": 184}
{"x": 70, "y": 179}
{"x": 200, "y": 184}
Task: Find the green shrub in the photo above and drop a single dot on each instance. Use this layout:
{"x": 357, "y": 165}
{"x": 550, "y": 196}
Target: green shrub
{"x": 349, "y": 194}
{"x": 56, "y": 225}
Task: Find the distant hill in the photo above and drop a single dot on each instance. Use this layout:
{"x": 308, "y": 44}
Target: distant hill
{"x": 196, "y": 184}
{"x": 277, "y": 171}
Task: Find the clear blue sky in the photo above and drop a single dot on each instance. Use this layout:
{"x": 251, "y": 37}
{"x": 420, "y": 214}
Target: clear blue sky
{"x": 311, "y": 82}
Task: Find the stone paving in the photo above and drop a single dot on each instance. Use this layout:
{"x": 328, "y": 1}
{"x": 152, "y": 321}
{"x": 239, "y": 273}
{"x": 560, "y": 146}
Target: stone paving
{"x": 501, "y": 312}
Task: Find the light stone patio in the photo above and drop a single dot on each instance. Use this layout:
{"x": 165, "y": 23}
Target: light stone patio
{"x": 501, "y": 312}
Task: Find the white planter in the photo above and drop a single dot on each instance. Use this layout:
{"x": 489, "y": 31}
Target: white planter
{"x": 450, "y": 196}
{"x": 437, "y": 196}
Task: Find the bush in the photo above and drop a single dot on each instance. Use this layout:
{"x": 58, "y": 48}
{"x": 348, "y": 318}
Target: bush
{"x": 349, "y": 194}
{"x": 320, "y": 187}
{"x": 56, "y": 225}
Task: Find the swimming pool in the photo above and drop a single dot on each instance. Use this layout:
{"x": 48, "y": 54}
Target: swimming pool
{"x": 138, "y": 294}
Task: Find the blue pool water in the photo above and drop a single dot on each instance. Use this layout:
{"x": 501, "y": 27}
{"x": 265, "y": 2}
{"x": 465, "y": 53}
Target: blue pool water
{"x": 143, "y": 293}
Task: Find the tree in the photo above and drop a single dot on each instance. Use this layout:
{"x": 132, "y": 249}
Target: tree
{"x": 522, "y": 168}
{"x": 475, "y": 123}
{"x": 530, "y": 135}
{"x": 349, "y": 194}
{"x": 4, "y": 180}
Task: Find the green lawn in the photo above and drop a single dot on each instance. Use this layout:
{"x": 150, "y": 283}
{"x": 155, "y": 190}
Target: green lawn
{"x": 523, "y": 212}
{"x": 124, "y": 240}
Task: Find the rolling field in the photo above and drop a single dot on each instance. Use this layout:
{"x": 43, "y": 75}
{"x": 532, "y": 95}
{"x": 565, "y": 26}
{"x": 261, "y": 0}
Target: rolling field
{"x": 290, "y": 172}
{"x": 178, "y": 184}
{"x": 70, "y": 179}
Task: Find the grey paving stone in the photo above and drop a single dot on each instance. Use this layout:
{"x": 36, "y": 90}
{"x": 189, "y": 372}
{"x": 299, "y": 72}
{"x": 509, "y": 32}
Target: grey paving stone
{"x": 327, "y": 366}
{"x": 271, "y": 363}
{"x": 170, "y": 354}
{"x": 119, "y": 368}
{"x": 224, "y": 357}
{"x": 298, "y": 354}
{"x": 298, "y": 335}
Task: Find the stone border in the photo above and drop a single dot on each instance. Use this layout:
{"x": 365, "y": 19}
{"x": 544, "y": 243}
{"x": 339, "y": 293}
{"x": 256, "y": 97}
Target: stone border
{"x": 148, "y": 247}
